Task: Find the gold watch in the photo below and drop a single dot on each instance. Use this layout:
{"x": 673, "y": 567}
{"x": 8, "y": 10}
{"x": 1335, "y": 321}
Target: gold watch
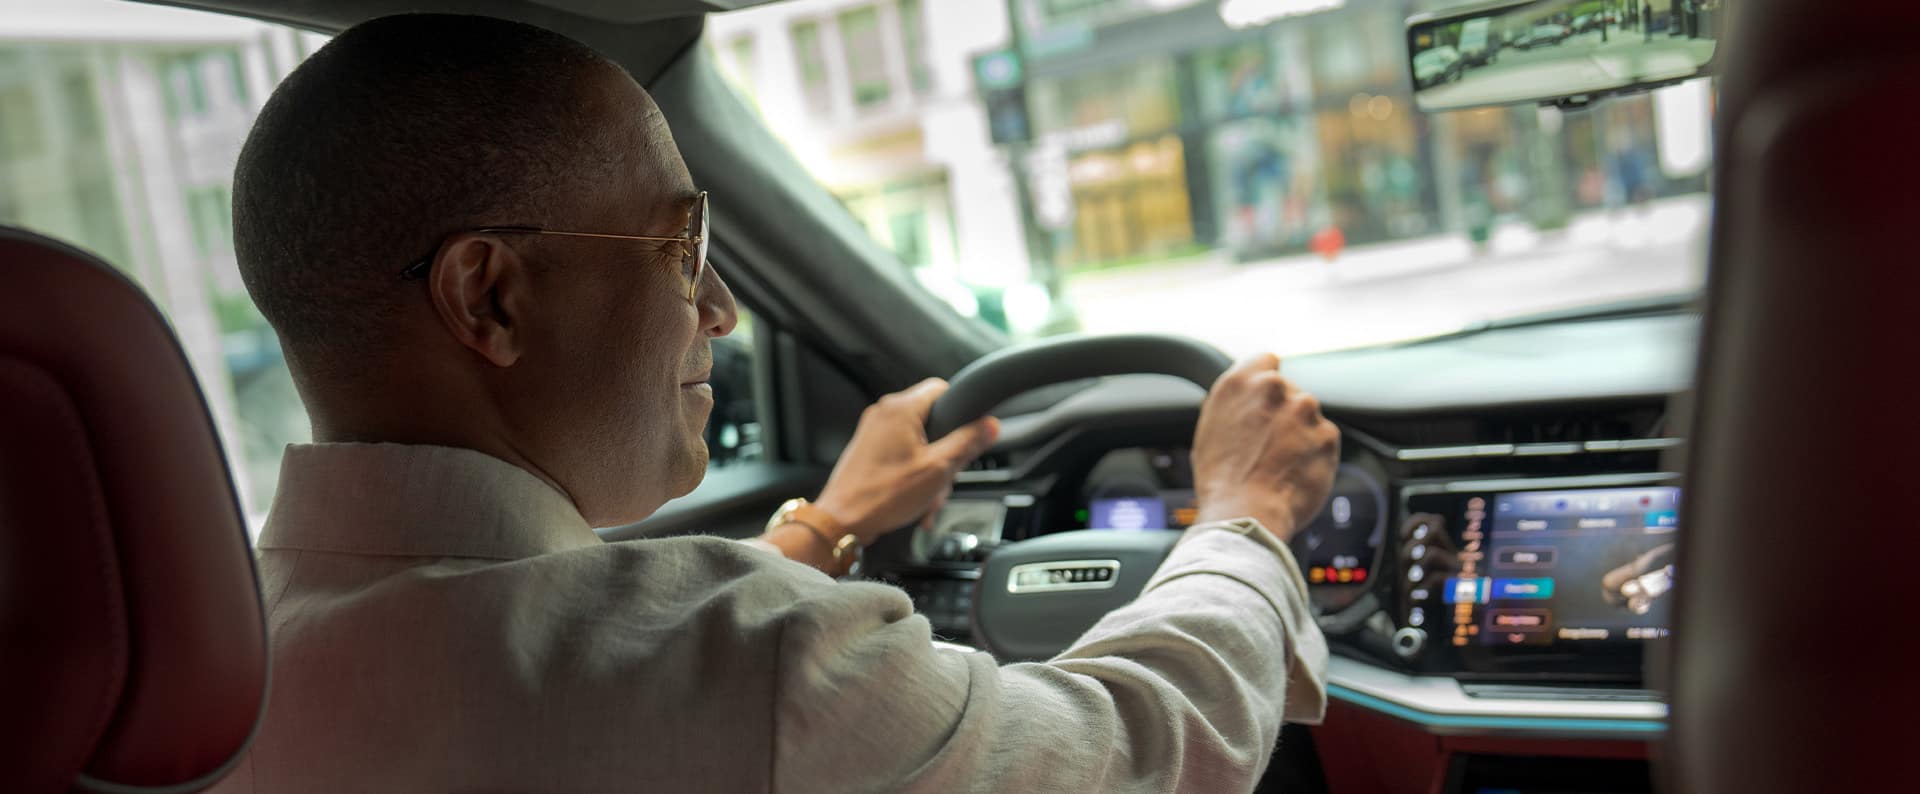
{"x": 845, "y": 545}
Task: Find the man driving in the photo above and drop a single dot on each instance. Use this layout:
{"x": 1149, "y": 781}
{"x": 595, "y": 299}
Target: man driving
{"x": 486, "y": 263}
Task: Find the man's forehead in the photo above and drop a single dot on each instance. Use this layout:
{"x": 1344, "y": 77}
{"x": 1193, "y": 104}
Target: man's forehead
{"x": 647, "y": 135}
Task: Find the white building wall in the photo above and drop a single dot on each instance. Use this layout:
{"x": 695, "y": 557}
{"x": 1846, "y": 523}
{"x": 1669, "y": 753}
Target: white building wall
{"x": 987, "y": 222}
{"x": 978, "y": 236}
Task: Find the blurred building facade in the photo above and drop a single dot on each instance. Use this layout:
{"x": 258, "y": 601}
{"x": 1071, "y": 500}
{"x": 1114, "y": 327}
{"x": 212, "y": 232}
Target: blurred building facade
{"x": 119, "y": 126}
{"x": 1157, "y": 128}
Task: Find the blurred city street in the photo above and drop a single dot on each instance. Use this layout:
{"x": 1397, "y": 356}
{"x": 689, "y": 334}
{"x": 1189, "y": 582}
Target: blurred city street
{"x": 1405, "y": 289}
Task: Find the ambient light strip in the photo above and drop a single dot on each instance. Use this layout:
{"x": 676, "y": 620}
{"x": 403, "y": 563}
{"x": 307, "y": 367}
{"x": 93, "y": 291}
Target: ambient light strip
{"x": 1441, "y": 703}
{"x": 1554, "y": 725}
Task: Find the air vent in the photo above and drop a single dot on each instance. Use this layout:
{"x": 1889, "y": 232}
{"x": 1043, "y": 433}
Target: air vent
{"x": 992, "y": 461}
{"x": 1577, "y": 425}
{"x": 991, "y": 467}
{"x": 1577, "y": 429}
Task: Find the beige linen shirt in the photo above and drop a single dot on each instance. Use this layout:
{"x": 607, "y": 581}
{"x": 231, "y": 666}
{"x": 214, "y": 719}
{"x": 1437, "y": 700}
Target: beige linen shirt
{"x": 445, "y": 621}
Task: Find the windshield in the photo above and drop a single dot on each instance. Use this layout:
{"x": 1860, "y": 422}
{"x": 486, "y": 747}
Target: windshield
{"x": 1249, "y": 172}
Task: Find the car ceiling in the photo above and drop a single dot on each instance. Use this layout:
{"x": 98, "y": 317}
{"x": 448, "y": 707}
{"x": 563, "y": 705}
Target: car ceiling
{"x": 629, "y": 30}
{"x": 333, "y": 15}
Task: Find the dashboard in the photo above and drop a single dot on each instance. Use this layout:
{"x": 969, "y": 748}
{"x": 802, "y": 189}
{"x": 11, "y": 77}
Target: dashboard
{"x": 1485, "y": 566}
{"x": 1496, "y": 555}
{"x": 1534, "y": 562}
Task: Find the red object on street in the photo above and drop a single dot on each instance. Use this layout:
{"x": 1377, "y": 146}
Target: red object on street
{"x": 1328, "y": 242}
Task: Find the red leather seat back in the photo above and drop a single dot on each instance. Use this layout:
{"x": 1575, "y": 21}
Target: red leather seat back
{"x": 132, "y": 646}
{"x": 1794, "y": 648}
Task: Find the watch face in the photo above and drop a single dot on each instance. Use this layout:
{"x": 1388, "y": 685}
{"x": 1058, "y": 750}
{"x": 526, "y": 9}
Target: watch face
{"x": 782, "y": 515}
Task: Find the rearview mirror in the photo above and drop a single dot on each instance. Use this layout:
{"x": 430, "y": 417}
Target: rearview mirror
{"x": 1562, "y": 52}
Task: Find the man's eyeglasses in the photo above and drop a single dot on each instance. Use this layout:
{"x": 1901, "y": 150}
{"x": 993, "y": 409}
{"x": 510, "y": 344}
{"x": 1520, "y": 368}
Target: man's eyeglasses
{"x": 693, "y": 261}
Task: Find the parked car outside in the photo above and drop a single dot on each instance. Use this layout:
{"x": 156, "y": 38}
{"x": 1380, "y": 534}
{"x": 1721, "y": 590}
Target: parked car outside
{"x": 1436, "y": 66}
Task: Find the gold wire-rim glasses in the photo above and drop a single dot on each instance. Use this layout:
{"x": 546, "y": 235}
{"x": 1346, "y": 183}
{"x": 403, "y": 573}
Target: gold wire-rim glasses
{"x": 695, "y": 239}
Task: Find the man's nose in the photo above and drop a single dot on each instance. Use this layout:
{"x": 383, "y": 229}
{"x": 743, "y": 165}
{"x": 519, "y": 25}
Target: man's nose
{"x": 718, "y": 314}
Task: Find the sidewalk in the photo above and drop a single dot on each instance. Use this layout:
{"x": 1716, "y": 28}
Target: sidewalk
{"x": 1658, "y": 223}
{"x": 1404, "y": 289}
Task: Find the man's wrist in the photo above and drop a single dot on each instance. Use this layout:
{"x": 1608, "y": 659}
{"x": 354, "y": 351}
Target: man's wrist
{"x": 843, "y": 518}
{"x": 1278, "y": 523}
{"x": 820, "y": 540}
{"x": 804, "y": 545}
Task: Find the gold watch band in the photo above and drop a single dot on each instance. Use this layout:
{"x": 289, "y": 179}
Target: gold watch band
{"x": 842, "y": 545}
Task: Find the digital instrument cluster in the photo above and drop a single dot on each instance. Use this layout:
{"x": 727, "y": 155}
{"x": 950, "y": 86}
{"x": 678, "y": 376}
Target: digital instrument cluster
{"x": 1152, "y": 488}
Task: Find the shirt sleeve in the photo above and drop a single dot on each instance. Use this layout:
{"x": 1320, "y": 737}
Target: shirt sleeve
{"x": 763, "y": 546}
{"x": 1185, "y": 689}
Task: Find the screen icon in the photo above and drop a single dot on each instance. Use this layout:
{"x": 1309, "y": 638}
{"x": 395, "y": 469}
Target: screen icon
{"x": 1539, "y": 588}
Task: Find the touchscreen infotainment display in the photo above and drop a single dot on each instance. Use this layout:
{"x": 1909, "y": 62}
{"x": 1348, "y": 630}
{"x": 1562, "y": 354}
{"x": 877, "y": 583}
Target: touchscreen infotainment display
{"x": 1565, "y": 566}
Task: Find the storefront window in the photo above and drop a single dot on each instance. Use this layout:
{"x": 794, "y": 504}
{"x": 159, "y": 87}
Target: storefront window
{"x": 1372, "y": 182}
{"x": 1130, "y": 203}
{"x": 1491, "y": 179}
{"x": 1265, "y": 178}
{"x": 1238, "y": 81}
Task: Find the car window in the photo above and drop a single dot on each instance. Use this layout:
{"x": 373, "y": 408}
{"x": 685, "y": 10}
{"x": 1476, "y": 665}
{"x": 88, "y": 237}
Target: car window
{"x": 1252, "y": 172}
{"x": 119, "y": 126}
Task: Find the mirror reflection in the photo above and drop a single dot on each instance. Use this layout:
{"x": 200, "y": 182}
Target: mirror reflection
{"x": 1557, "y": 49}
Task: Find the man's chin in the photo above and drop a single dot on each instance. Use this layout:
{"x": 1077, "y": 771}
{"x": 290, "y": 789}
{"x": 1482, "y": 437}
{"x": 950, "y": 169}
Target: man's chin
{"x": 694, "y": 471}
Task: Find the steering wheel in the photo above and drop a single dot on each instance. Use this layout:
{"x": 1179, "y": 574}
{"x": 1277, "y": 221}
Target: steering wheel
{"x": 997, "y": 376}
{"x": 1034, "y": 597}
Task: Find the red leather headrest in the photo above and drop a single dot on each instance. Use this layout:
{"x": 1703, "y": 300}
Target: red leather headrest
{"x": 1792, "y": 665}
{"x": 132, "y": 646}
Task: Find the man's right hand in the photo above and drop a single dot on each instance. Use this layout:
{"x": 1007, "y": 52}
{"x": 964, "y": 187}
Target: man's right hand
{"x": 1262, "y": 449}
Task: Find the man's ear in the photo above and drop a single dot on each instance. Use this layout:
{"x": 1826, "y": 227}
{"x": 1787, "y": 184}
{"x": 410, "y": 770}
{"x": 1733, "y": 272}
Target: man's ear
{"x": 479, "y": 287}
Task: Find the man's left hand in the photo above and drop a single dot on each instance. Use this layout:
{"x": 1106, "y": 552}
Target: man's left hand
{"x": 890, "y": 474}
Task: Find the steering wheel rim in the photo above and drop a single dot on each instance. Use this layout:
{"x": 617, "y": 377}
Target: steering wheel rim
{"x": 994, "y": 378}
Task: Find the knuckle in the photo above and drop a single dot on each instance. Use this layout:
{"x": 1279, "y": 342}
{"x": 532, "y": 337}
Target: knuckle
{"x": 1271, "y": 386}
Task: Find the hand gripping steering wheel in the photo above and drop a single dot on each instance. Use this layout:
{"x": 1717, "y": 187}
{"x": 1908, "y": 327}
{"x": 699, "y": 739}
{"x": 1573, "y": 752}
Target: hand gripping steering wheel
{"x": 1034, "y": 597}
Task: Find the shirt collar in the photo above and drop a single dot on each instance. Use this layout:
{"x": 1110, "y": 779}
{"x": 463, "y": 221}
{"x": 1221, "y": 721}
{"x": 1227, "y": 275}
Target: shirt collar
{"x": 410, "y": 500}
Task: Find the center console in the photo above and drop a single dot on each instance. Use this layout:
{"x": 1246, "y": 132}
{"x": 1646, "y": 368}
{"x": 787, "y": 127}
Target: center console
{"x": 1547, "y": 579}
